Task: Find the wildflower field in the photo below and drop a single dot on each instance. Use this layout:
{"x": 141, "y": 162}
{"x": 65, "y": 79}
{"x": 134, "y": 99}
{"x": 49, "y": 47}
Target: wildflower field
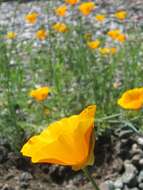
{"x": 71, "y": 89}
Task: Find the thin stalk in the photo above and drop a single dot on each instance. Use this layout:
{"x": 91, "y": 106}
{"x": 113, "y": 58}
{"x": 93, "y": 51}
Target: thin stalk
{"x": 108, "y": 117}
{"x": 86, "y": 173}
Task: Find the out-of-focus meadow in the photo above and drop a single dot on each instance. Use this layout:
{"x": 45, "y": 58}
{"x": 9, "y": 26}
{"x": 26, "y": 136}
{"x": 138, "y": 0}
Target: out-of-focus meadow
{"x": 81, "y": 53}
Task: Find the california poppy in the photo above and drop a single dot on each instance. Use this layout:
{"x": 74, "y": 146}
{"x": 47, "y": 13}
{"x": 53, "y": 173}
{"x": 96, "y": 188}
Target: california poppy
{"x": 31, "y": 18}
{"x": 69, "y": 141}
{"x": 86, "y": 8}
{"x": 121, "y": 15}
{"x": 40, "y": 94}
{"x": 132, "y": 99}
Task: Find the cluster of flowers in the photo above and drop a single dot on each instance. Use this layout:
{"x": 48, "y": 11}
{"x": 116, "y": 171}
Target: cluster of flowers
{"x": 85, "y": 9}
{"x": 70, "y": 135}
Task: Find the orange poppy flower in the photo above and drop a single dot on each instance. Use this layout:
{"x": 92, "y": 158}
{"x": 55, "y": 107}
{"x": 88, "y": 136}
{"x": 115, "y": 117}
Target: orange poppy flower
{"x": 40, "y": 94}
{"x": 114, "y": 33}
{"x": 117, "y": 35}
{"x": 72, "y": 2}
{"x": 61, "y": 11}
{"x": 121, "y": 38}
{"x": 100, "y": 17}
{"x": 31, "y": 17}
{"x": 69, "y": 141}
{"x": 86, "y": 8}
{"x": 132, "y": 99}
{"x": 41, "y": 34}
{"x": 121, "y": 15}
{"x": 93, "y": 44}
{"x": 60, "y": 27}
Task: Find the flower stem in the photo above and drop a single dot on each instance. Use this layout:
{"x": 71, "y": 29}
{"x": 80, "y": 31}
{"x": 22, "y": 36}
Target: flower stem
{"x": 108, "y": 117}
{"x": 85, "y": 170}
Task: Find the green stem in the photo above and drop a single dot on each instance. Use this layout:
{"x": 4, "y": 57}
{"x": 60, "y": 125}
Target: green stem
{"x": 107, "y": 117}
{"x": 85, "y": 170}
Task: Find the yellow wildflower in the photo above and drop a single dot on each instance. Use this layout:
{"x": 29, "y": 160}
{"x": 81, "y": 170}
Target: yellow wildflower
{"x": 108, "y": 51}
{"x": 11, "y": 35}
{"x": 60, "y": 27}
{"x": 132, "y": 99}
{"x": 86, "y": 8}
{"x": 62, "y": 142}
{"x": 93, "y": 44}
{"x": 114, "y": 33}
{"x": 121, "y": 38}
{"x": 61, "y": 11}
{"x": 117, "y": 35}
{"x": 121, "y": 15}
{"x": 40, "y": 94}
{"x": 72, "y": 2}
{"x": 100, "y": 17}
{"x": 31, "y": 17}
{"x": 41, "y": 34}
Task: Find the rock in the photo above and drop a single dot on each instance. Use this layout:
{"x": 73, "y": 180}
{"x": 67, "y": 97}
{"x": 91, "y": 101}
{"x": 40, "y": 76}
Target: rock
{"x": 141, "y": 185}
{"x": 123, "y": 148}
{"x": 141, "y": 163}
{"x": 136, "y": 150}
{"x": 24, "y": 184}
{"x": 140, "y": 177}
{"x": 117, "y": 165}
{"x": 140, "y": 141}
{"x": 25, "y": 176}
{"x": 118, "y": 183}
{"x": 8, "y": 176}
{"x": 136, "y": 159}
{"x": 108, "y": 185}
{"x": 1, "y": 185}
{"x": 126, "y": 187}
{"x": 130, "y": 175}
{"x": 7, "y": 187}
{"x": 125, "y": 133}
{"x": 59, "y": 173}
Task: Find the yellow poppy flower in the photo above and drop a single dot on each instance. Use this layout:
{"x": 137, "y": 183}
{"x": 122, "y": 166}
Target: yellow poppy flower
{"x": 31, "y": 17}
{"x": 11, "y": 35}
{"x": 40, "y": 94}
{"x": 60, "y": 27}
{"x": 72, "y": 2}
{"x": 69, "y": 141}
{"x": 121, "y": 38}
{"x": 61, "y": 11}
{"x": 132, "y": 99}
{"x": 100, "y": 17}
{"x": 114, "y": 33}
{"x": 41, "y": 34}
{"x": 93, "y": 44}
{"x": 86, "y": 8}
{"x": 108, "y": 51}
{"x": 121, "y": 15}
{"x": 117, "y": 35}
